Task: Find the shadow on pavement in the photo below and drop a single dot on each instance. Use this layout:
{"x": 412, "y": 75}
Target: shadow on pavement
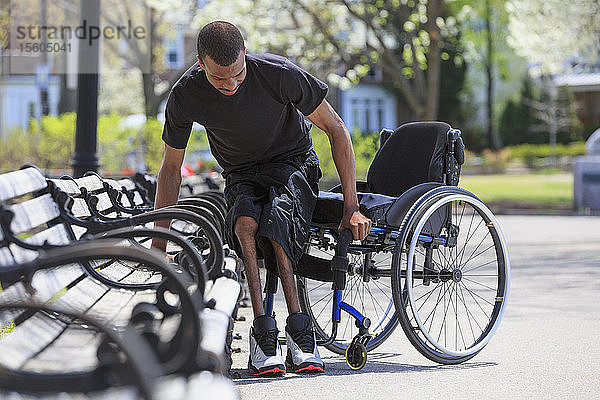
{"x": 377, "y": 363}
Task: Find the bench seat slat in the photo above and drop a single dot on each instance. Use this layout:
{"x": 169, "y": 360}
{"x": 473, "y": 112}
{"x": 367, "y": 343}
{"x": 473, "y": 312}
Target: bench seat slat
{"x": 28, "y": 338}
{"x": 74, "y": 350}
{"x": 47, "y": 283}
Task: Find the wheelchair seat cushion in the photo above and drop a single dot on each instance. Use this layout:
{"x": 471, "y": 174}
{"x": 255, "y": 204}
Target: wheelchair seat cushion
{"x": 330, "y": 207}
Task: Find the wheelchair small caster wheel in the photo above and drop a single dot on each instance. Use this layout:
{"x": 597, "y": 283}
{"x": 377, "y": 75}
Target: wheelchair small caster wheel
{"x": 356, "y": 355}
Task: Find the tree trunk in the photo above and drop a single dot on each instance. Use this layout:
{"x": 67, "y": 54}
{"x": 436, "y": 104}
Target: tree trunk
{"x": 494, "y": 142}
{"x": 432, "y": 100}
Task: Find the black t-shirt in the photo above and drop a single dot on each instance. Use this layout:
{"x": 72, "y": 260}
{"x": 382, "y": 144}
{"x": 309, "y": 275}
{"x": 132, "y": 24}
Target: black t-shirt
{"x": 262, "y": 122}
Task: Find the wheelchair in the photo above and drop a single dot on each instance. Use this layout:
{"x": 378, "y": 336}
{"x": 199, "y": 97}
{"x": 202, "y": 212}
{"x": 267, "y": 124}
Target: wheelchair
{"x": 435, "y": 260}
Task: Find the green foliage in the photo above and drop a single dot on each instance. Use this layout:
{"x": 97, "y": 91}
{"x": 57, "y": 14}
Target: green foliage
{"x": 518, "y": 119}
{"x": 452, "y": 80}
{"x": 529, "y": 153}
{"x": 50, "y": 144}
{"x": 152, "y": 134}
{"x": 365, "y": 147}
{"x": 115, "y": 142}
{"x": 7, "y": 329}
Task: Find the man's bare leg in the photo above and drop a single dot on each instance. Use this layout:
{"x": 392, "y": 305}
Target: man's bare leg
{"x": 302, "y": 353}
{"x": 245, "y": 230}
{"x": 286, "y": 275}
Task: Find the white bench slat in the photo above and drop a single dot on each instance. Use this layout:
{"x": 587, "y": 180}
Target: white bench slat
{"x": 6, "y": 258}
{"x": 215, "y": 325}
{"x": 104, "y": 202}
{"x": 91, "y": 183}
{"x": 67, "y": 185}
{"x": 74, "y": 350}
{"x": 18, "y": 183}
{"x": 55, "y": 235}
{"x": 225, "y": 292}
{"x": 33, "y": 213}
{"x": 80, "y": 208}
{"x": 127, "y": 184}
{"x": 115, "y": 185}
{"x": 46, "y": 283}
{"x": 27, "y": 339}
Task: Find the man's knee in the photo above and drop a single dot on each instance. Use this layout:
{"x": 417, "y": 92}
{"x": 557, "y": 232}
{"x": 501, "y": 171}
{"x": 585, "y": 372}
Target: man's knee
{"x": 245, "y": 228}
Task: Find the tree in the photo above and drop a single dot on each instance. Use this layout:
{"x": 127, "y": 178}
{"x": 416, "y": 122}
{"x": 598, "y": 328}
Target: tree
{"x": 145, "y": 56}
{"x": 483, "y": 36}
{"x": 518, "y": 117}
{"x": 406, "y": 38}
{"x": 552, "y": 33}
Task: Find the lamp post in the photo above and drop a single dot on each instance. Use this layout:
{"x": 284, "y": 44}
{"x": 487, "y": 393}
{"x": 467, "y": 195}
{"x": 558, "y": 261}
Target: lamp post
{"x": 85, "y": 158}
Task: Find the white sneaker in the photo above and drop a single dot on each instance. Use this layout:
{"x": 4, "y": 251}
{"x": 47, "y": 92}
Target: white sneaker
{"x": 265, "y": 352}
{"x": 302, "y": 352}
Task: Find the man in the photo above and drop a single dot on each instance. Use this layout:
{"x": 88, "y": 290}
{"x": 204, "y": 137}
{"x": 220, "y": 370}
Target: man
{"x": 256, "y": 111}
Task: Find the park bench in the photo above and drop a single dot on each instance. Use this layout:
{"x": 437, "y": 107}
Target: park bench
{"x": 92, "y": 198}
{"x": 86, "y": 202}
{"x": 43, "y": 264}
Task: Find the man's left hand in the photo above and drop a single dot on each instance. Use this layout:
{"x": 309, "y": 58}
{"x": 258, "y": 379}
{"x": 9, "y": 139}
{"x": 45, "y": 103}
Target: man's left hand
{"x": 359, "y": 225}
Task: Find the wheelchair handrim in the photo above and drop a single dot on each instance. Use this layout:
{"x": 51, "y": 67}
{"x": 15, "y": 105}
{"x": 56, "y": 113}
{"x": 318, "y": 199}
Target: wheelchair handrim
{"x": 477, "y": 204}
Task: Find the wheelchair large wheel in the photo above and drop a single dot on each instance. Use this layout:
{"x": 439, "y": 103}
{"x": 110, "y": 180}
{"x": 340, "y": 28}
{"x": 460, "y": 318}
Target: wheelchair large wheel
{"x": 451, "y": 275}
{"x": 372, "y": 297}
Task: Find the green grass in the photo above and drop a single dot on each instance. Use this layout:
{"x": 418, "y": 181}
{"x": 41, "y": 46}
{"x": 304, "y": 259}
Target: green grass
{"x": 535, "y": 189}
{"x": 6, "y": 329}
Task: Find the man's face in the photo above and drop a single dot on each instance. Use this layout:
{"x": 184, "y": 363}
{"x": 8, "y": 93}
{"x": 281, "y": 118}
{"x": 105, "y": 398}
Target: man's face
{"x": 226, "y": 79}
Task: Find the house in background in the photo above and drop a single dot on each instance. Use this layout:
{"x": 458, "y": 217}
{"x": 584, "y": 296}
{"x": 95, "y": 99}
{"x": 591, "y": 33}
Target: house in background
{"x": 366, "y": 107}
{"x": 20, "y": 93}
{"x": 585, "y": 87}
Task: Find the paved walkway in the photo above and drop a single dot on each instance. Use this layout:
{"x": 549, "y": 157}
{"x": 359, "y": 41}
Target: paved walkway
{"x": 547, "y": 346}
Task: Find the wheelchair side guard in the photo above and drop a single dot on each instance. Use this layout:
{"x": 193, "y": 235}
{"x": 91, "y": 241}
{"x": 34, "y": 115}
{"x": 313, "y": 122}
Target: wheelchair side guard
{"x": 400, "y": 207}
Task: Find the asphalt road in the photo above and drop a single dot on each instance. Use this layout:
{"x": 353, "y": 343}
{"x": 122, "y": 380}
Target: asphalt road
{"x": 547, "y": 346}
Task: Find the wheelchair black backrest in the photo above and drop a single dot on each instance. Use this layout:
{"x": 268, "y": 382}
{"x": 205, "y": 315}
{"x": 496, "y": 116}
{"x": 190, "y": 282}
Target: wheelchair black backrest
{"x": 416, "y": 153}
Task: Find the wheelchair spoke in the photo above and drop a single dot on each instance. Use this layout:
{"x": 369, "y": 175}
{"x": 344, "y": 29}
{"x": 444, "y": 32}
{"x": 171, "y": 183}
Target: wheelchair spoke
{"x": 467, "y": 238}
{"x": 428, "y": 294}
{"x": 480, "y": 284}
{"x": 469, "y": 314}
{"x": 473, "y": 294}
{"x": 373, "y": 298}
{"x": 491, "y": 247}
{"x": 318, "y": 287}
{"x": 480, "y": 266}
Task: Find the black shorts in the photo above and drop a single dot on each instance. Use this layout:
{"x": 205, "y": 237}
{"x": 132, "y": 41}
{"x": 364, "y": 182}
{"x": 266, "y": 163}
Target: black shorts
{"x": 281, "y": 197}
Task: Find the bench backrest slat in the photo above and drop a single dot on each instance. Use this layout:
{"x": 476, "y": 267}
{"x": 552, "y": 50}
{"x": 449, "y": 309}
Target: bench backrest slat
{"x": 33, "y": 213}
{"x": 19, "y": 183}
{"x": 115, "y": 185}
{"x": 105, "y": 205}
{"x": 67, "y": 185}
{"x": 91, "y": 182}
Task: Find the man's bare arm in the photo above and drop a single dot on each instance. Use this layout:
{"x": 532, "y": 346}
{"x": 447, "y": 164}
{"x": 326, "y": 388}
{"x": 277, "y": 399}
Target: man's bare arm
{"x": 167, "y": 186}
{"x": 330, "y": 122}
